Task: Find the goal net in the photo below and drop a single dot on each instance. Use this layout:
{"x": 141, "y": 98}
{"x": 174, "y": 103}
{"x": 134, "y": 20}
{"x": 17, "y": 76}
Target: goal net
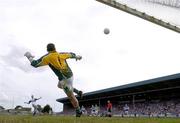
{"x": 162, "y": 12}
{"x": 172, "y": 3}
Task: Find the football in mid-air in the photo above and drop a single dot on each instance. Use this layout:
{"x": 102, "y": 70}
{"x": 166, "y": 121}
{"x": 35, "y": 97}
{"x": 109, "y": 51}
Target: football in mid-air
{"x": 106, "y": 31}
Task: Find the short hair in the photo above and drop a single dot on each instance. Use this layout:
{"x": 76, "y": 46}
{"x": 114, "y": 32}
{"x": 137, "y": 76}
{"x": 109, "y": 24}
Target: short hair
{"x": 51, "y": 47}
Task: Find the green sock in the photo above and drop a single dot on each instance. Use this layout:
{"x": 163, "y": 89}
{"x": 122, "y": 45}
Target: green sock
{"x": 78, "y": 109}
{"x": 75, "y": 90}
{"x": 66, "y": 89}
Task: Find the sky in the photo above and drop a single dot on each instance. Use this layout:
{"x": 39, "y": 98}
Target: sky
{"x": 135, "y": 49}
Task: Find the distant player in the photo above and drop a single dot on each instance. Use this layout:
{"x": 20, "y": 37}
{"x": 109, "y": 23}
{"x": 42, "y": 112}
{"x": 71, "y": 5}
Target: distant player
{"x": 33, "y": 102}
{"x": 109, "y": 109}
{"x": 126, "y": 109}
{"x": 84, "y": 111}
{"x": 96, "y": 110}
{"x": 57, "y": 62}
{"x": 93, "y": 110}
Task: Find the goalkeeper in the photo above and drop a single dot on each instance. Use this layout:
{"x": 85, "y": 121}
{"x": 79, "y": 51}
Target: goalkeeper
{"x": 57, "y": 62}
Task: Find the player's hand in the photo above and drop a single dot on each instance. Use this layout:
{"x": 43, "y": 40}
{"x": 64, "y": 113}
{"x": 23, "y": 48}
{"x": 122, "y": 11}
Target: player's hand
{"x": 28, "y": 55}
{"x": 78, "y": 57}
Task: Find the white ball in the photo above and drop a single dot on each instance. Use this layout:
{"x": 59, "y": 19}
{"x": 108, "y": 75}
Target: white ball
{"x": 106, "y": 31}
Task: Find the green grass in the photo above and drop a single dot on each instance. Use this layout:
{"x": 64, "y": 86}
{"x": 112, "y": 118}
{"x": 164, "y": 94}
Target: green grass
{"x": 71, "y": 119}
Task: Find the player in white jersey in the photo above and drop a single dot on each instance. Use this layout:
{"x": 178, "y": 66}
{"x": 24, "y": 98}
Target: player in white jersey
{"x": 84, "y": 111}
{"x": 94, "y": 110}
{"x": 126, "y": 109}
{"x": 33, "y": 102}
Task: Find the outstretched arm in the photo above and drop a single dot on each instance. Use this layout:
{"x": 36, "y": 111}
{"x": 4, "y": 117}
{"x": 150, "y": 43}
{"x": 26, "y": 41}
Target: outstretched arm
{"x": 36, "y": 63}
{"x": 70, "y": 55}
{"x": 37, "y": 98}
{"x": 28, "y": 102}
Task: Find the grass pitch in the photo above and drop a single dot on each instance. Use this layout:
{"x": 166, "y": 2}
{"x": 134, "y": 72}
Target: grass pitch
{"x": 72, "y": 119}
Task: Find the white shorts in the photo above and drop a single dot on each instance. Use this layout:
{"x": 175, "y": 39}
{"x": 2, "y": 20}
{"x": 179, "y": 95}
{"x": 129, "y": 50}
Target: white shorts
{"x": 66, "y": 84}
{"x": 126, "y": 112}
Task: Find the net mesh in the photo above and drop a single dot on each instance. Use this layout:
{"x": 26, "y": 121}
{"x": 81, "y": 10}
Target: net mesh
{"x": 172, "y": 3}
{"x": 166, "y": 10}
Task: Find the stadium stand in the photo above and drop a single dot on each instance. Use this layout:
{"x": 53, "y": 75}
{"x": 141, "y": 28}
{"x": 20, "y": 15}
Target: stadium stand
{"x": 159, "y": 97}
